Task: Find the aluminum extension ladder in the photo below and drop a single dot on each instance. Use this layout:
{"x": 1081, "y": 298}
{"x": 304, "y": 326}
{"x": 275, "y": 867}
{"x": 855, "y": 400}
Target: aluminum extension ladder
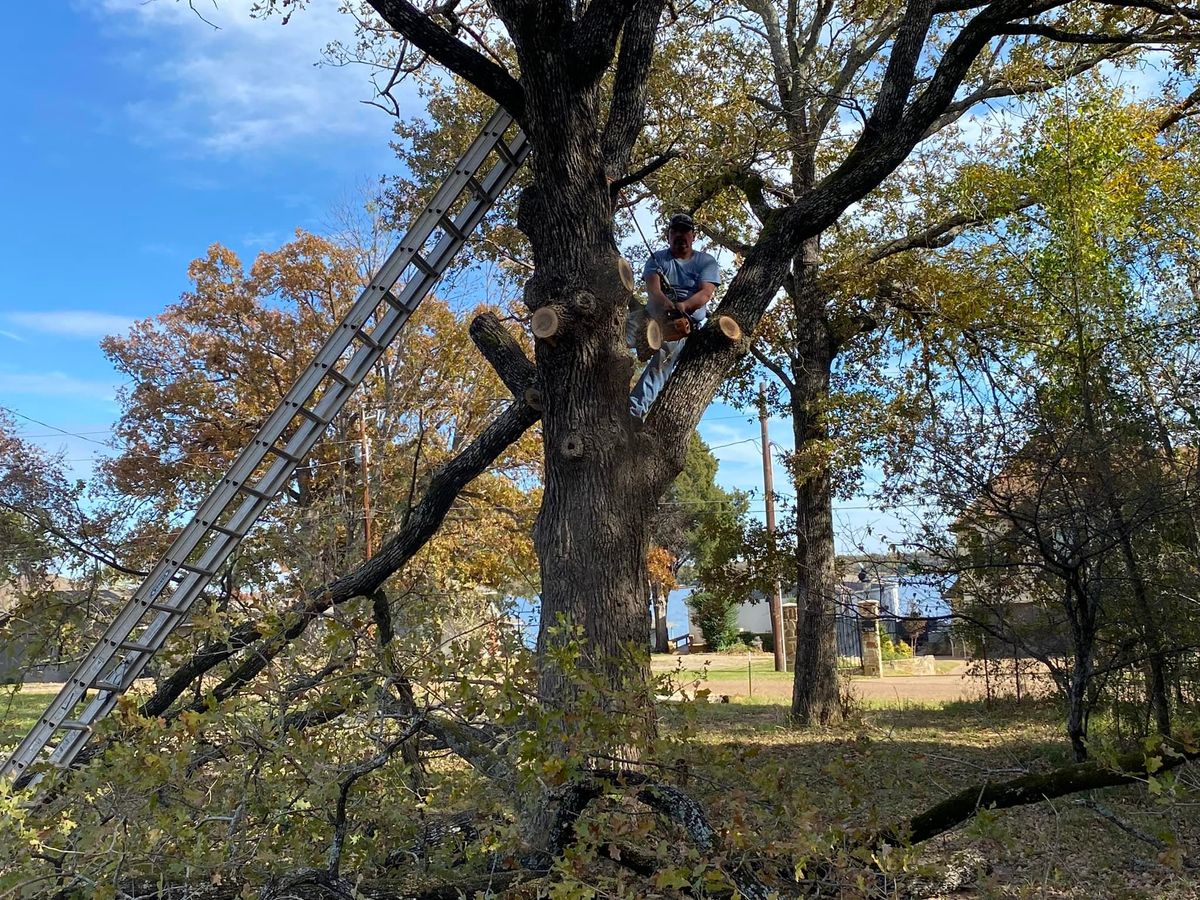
{"x": 318, "y": 395}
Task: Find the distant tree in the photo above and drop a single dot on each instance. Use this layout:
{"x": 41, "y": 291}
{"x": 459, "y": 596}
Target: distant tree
{"x": 34, "y": 492}
{"x": 45, "y": 536}
{"x": 689, "y": 524}
{"x": 210, "y": 367}
{"x": 1048, "y": 440}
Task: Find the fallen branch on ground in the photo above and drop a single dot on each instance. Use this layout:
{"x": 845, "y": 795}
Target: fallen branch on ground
{"x": 959, "y": 808}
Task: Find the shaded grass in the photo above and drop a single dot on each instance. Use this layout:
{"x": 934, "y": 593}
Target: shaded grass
{"x": 890, "y": 762}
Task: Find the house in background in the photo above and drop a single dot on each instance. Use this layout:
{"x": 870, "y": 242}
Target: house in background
{"x": 884, "y": 579}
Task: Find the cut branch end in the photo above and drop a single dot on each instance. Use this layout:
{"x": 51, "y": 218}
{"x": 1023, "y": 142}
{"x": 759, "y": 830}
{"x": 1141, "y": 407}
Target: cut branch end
{"x": 729, "y": 327}
{"x": 533, "y": 399}
{"x": 546, "y": 323}
{"x": 626, "y": 272}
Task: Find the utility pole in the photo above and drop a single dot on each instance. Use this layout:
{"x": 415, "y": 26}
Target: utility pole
{"x": 364, "y": 458}
{"x": 777, "y": 638}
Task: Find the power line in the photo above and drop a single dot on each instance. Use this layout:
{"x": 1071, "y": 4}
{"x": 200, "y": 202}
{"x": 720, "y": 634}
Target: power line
{"x": 22, "y": 434}
{"x": 55, "y": 427}
{"x": 735, "y": 443}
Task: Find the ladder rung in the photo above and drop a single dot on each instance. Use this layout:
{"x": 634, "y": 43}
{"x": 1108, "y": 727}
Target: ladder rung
{"x": 369, "y": 341}
{"x": 310, "y": 415}
{"x": 283, "y": 454}
{"x": 196, "y": 570}
{"x": 136, "y": 647}
{"x": 394, "y": 302}
{"x": 338, "y": 376}
{"x": 423, "y": 264}
{"x": 504, "y": 151}
{"x": 162, "y": 607}
{"x": 450, "y": 228}
{"x": 255, "y": 492}
{"x": 74, "y": 725}
{"x": 229, "y": 532}
{"x": 479, "y": 189}
{"x": 110, "y": 686}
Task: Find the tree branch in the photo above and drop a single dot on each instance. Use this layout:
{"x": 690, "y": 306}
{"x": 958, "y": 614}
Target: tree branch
{"x": 595, "y": 37}
{"x": 644, "y": 172}
{"x": 961, "y": 807}
{"x": 425, "y": 519}
{"x": 503, "y": 353}
{"x": 423, "y": 522}
{"x": 901, "y": 67}
{"x": 1167, "y": 9}
{"x": 941, "y": 234}
{"x": 994, "y": 91}
{"x": 725, "y": 239}
{"x": 681, "y": 809}
{"x": 1064, "y": 36}
{"x": 44, "y": 523}
{"x": 466, "y": 62}
{"x": 1180, "y": 111}
{"x": 774, "y": 368}
{"x": 627, "y": 109}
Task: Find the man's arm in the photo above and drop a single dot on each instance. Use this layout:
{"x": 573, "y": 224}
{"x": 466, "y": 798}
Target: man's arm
{"x": 673, "y": 329}
{"x": 698, "y": 299}
{"x": 659, "y": 301}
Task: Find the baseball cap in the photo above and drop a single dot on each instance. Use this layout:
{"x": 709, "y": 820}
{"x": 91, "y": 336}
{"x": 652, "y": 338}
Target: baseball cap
{"x": 682, "y": 221}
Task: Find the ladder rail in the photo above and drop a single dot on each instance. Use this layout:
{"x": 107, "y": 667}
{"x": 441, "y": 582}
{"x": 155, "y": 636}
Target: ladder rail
{"x": 310, "y": 424}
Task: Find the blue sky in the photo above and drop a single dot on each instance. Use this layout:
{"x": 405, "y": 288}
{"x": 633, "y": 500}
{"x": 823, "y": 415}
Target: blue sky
{"x": 139, "y": 135}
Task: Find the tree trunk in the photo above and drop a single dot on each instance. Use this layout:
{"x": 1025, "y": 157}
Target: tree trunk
{"x": 815, "y": 689}
{"x": 1077, "y": 708}
{"x": 601, "y": 483}
{"x": 602, "y": 479}
{"x": 1160, "y": 697}
{"x": 659, "y": 597}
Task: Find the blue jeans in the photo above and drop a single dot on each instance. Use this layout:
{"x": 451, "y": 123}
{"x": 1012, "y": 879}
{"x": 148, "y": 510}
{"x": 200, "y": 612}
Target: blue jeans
{"x": 654, "y": 376}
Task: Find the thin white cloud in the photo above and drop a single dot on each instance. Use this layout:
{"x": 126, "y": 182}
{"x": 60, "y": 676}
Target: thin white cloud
{"x": 248, "y": 85}
{"x": 12, "y": 336}
{"x": 71, "y": 323}
{"x": 55, "y": 384}
{"x": 261, "y": 239}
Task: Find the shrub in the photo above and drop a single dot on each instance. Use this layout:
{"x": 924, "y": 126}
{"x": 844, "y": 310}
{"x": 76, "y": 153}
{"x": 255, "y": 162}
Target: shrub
{"x": 891, "y": 650}
{"x": 717, "y": 618}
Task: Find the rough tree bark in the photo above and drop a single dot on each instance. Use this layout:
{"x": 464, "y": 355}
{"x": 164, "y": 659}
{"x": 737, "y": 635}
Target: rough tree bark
{"x": 601, "y": 483}
{"x": 815, "y": 686}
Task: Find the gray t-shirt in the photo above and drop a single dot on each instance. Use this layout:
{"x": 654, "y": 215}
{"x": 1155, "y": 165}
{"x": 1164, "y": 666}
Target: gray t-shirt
{"x": 685, "y": 275}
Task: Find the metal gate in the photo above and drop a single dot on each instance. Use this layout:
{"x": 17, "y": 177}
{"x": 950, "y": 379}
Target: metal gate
{"x": 848, "y": 626}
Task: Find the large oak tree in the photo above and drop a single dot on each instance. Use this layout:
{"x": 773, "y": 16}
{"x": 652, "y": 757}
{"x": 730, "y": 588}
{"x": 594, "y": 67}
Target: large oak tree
{"x": 578, "y": 89}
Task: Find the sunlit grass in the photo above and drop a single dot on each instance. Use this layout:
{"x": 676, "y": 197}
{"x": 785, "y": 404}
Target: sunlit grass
{"x": 18, "y": 711}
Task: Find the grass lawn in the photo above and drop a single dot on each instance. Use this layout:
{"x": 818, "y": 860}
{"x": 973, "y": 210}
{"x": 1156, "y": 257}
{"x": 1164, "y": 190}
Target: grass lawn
{"x": 18, "y": 712}
{"x": 896, "y": 758}
{"x": 753, "y": 677}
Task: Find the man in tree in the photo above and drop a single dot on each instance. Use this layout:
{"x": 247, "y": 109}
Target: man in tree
{"x": 680, "y": 281}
